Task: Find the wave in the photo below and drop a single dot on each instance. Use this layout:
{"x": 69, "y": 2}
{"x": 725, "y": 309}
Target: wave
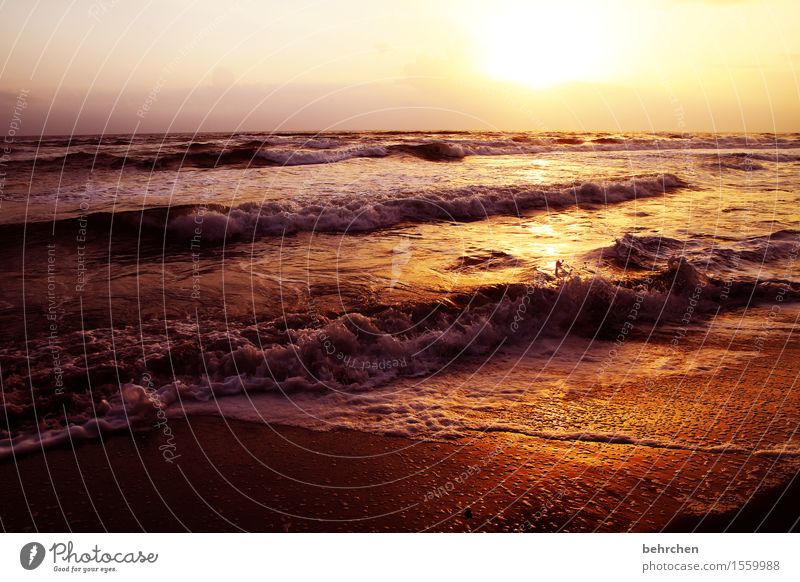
{"x": 484, "y": 261}
{"x": 354, "y": 214}
{"x": 436, "y": 151}
{"x": 608, "y": 140}
{"x": 655, "y": 252}
{"x": 250, "y": 155}
{"x": 348, "y": 214}
{"x": 747, "y": 161}
{"x": 774, "y": 157}
{"x": 315, "y": 353}
{"x": 301, "y": 157}
{"x": 155, "y": 153}
{"x": 148, "y": 224}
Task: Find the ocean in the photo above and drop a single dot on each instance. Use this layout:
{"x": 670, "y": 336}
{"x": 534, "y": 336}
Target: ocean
{"x": 569, "y": 287}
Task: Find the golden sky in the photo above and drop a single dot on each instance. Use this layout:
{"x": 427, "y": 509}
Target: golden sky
{"x": 664, "y": 65}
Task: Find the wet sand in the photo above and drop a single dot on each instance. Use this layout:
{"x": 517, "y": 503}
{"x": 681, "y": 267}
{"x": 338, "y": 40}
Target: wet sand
{"x": 233, "y": 476}
{"x": 209, "y": 474}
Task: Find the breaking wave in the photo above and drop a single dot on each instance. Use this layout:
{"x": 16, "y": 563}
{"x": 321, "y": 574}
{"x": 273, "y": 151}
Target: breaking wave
{"x": 354, "y": 214}
{"x": 655, "y": 252}
{"x": 129, "y": 377}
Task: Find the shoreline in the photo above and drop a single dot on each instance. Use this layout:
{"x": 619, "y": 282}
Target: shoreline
{"x": 240, "y": 476}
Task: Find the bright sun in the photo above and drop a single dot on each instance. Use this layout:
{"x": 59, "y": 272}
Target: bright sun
{"x": 541, "y": 46}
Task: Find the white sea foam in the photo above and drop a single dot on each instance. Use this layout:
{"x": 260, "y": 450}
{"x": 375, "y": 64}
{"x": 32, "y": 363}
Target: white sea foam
{"x": 362, "y": 213}
{"x": 354, "y": 358}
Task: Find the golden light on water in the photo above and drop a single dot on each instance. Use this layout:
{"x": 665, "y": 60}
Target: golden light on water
{"x": 541, "y": 230}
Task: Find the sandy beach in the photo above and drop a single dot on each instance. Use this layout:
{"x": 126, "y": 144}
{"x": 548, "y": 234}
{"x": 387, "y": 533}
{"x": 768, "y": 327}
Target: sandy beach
{"x": 238, "y": 476}
{"x": 222, "y": 475}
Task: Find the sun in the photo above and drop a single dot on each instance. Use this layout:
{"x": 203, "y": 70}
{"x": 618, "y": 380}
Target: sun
{"x": 543, "y": 45}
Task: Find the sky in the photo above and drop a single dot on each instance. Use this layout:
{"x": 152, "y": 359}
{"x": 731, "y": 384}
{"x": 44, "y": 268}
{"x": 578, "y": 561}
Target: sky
{"x": 120, "y": 66}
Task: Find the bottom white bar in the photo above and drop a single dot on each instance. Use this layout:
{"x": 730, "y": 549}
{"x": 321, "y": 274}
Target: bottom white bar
{"x": 380, "y": 557}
